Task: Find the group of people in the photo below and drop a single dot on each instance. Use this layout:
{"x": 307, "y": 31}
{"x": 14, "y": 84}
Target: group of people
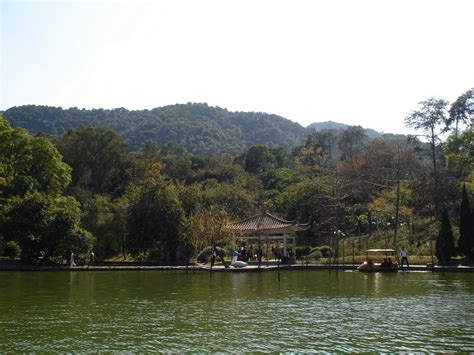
{"x": 250, "y": 253}
{"x": 386, "y": 262}
{"x": 72, "y": 259}
{"x": 246, "y": 253}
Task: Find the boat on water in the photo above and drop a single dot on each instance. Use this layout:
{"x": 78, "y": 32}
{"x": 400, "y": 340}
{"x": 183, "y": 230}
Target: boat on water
{"x": 384, "y": 261}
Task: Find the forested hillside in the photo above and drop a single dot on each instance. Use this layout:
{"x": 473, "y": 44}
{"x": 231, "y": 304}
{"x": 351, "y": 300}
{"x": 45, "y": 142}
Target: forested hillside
{"x": 321, "y": 126}
{"x": 194, "y": 128}
{"x": 86, "y": 190}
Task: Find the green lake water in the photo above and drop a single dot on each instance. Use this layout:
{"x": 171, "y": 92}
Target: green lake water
{"x": 235, "y": 312}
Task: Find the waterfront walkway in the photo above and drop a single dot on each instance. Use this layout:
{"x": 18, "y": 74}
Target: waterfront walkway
{"x": 343, "y": 267}
{"x": 252, "y": 267}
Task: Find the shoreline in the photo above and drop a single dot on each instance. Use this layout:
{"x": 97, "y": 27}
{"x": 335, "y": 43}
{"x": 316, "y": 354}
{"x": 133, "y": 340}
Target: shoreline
{"x": 221, "y": 268}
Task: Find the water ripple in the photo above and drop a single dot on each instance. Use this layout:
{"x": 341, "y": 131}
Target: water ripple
{"x": 178, "y": 312}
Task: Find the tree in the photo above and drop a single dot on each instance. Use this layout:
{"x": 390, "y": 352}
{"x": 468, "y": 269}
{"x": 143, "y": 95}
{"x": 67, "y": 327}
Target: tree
{"x": 430, "y": 118}
{"x": 278, "y": 179}
{"x": 146, "y": 159}
{"x": 323, "y": 143}
{"x": 350, "y": 143}
{"x": 324, "y": 200}
{"x": 459, "y": 112}
{"x": 98, "y": 218}
{"x": 208, "y": 228}
{"x": 12, "y": 250}
{"x": 257, "y": 159}
{"x": 41, "y": 223}
{"x": 179, "y": 168}
{"x": 380, "y": 155}
{"x": 281, "y": 157}
{"x": 4, "y": 125}
{"x": 383, "y": 205}
{"x": 29, "y": 164}
{"x": 237, "y": 200}
{"x": 156, "y": 220}
{"x": 118, "y": 227}
{"x": 98, "y": 157}
{"x": 445, "y": 248}
{"x": 466, "y": 227}
{"x": 459, "y": 151}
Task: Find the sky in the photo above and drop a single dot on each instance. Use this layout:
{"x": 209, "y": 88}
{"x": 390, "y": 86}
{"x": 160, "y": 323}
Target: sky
{"x": 360, "y": 62}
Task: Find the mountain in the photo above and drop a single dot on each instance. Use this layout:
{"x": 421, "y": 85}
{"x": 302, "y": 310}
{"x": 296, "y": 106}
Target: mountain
{"x": 192, "y": 128}
{"x": 195, "y": 128}
{"x": 319, "y": 126}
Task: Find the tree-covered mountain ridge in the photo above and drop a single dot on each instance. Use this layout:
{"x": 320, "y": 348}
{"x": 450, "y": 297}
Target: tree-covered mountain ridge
{"x": 320, "y": 126}
{"x": 196, "y": 128}
{"x": 193, "y": 127}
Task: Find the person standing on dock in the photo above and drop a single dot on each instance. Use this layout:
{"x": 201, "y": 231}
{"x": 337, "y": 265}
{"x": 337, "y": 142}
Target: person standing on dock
{"x": 213, "y": 255}
{"x": 404, "y": 255}
{"x": 71, "y": 260}
{"x": 259, "y": 254}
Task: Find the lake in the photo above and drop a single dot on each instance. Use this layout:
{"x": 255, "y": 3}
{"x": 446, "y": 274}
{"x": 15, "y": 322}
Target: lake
{"x": 236, "y": 312}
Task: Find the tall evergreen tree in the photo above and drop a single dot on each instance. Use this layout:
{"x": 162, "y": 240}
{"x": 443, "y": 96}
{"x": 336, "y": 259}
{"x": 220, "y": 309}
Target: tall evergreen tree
{"x": 466, "y": 230}
{"x": 445, "y": 248}
{"x": 471, "y": 234}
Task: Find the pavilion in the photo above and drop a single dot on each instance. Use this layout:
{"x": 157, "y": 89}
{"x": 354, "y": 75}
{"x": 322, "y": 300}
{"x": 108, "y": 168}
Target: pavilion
{"x": 265, "y": 227}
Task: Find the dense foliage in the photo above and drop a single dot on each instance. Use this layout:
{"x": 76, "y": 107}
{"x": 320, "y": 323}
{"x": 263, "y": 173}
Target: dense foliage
{"x": 29, "y": 164}
{"x": 33, "y": 212}
{"x": 41, "y": 224}
{"x": 156, "y": 221}
{"x": 192, "y": 128}
{"x": 103, "y": 184}
{"x": 98, "y": 157}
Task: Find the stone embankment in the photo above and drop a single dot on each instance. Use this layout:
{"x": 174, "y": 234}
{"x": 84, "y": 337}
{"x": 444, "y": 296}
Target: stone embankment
{"x": 252, "y": 267}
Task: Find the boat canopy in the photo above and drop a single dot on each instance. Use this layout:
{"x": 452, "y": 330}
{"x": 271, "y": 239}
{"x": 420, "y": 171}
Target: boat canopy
{"x": 381, "y": 250}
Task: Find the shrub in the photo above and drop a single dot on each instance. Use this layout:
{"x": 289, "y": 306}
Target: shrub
{"x": 154, "y": 254}
{"x": 302, "y": 251}
{"x": 12, "y": 249}
{"x": 324, "y": 250}
{"x": 316, "y": 255}
{"x": 205, "y": 254}
{"x": 142, "y": 256}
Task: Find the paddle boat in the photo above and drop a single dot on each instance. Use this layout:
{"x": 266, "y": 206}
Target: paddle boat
{"x": 235, "y": 262}
{"x": 389, "y": 263}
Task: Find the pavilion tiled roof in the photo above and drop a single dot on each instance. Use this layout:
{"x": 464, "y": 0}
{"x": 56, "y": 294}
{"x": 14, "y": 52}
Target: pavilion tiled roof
{"x": 265, "y": 222}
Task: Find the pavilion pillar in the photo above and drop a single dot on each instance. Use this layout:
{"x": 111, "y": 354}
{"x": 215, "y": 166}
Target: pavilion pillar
{"x": 285, "y": 246}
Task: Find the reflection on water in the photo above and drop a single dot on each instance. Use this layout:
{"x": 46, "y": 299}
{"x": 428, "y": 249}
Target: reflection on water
{"x": 175, "y": 311}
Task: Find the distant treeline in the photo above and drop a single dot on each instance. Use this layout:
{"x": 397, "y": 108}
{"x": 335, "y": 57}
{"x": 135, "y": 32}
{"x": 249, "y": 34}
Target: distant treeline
{"x": 191, "y": 128}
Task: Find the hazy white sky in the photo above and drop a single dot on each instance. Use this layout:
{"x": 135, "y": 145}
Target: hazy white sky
{"x": 366, "y": 62}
